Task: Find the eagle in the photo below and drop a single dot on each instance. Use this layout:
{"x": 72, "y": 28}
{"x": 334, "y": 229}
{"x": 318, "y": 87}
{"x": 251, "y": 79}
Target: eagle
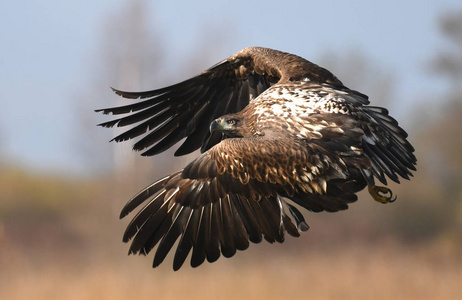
{"x": 276, "y": 133}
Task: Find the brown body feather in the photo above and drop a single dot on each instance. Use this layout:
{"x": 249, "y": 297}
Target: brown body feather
{"x": 281, "y": 128}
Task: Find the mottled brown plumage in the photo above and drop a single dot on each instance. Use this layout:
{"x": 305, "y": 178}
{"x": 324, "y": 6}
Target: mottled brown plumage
{"x": 272, "y": 127}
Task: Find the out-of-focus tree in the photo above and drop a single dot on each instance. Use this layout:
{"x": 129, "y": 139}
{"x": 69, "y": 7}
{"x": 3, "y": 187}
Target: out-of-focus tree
{"x": 130, "y": 58}
{"x": 134, "y": 58}
{"x": 448, "y": 62}
{"x": 446, "y": 135}
{"x": 435, "y": 196}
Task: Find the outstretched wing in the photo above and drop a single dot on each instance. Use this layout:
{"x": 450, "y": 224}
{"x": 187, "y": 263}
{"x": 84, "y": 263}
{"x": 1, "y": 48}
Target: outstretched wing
{"x": 230, "y": 195}
{"x": 186, "y": 109}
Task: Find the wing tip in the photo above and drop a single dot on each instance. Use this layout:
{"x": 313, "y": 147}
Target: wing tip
{"x": 125, "y": 94}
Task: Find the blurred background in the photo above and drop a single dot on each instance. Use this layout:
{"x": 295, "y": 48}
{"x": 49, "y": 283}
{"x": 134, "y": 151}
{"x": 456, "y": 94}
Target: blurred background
{"x": 62, "y": 184}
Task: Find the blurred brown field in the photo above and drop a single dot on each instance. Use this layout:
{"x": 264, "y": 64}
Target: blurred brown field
{"x": 371, "y": 272}
{"x": 61, "y": 239}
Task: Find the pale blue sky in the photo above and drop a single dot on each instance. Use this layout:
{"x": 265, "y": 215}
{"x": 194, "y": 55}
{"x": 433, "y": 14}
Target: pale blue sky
{"x": 47, "y": 46}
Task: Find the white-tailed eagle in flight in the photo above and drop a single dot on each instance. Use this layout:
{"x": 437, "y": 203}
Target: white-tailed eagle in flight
{"x": 274, "y": 129}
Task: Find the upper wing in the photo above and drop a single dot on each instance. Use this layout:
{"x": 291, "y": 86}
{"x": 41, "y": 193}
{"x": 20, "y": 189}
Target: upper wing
{"x": 186, "y": 109}
{"x": 317, "y": 174}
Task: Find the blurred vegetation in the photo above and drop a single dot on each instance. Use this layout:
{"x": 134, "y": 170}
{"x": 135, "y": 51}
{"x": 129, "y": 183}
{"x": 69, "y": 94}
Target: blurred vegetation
{"x": 436, "y": 195}
{"x": 60, "y": 236}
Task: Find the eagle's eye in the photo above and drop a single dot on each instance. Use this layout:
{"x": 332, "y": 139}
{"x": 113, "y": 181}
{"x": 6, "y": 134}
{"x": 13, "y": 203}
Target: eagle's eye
{"x": 231, "y": 122}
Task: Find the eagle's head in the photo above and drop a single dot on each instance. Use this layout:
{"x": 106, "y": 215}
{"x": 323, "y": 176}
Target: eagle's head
{"x": 231, "y": 125}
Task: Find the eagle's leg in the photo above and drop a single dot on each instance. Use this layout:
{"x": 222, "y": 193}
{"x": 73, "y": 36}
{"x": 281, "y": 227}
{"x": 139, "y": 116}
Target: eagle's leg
{"x": 381, "y": 194}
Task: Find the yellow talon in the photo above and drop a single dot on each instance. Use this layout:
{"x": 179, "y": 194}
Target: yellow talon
{"x": 381, "y": 194}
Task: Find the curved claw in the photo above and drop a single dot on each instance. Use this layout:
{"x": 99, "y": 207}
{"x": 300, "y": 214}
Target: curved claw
{"x": 381, "y": 194}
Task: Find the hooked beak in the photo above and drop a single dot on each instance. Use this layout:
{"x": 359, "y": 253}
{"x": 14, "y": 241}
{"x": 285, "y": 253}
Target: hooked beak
{"x": 216, "y": 125}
